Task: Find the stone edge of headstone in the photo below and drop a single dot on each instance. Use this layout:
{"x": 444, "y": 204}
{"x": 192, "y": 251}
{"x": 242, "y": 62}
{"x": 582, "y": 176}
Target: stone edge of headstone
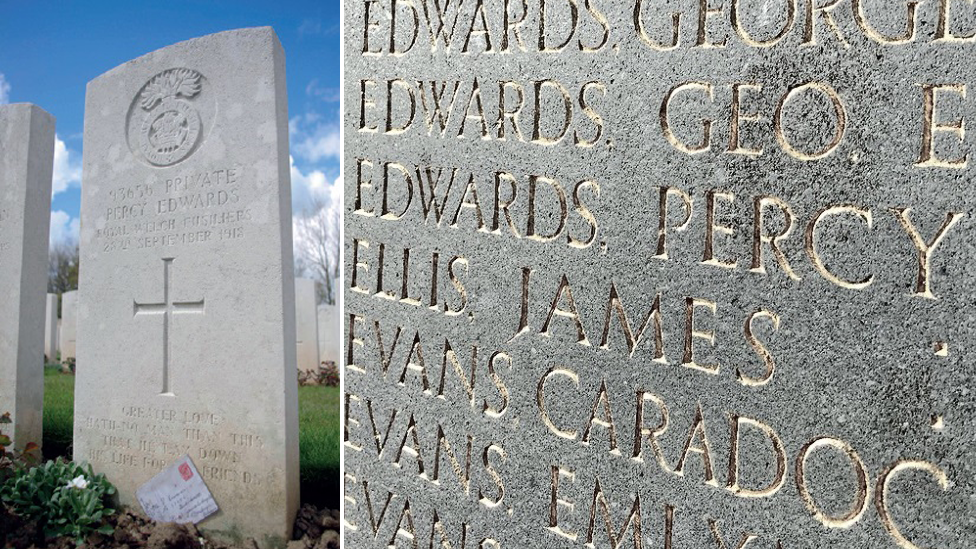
{"x": 266, "y": 29}
{"x": 41, "y": 125}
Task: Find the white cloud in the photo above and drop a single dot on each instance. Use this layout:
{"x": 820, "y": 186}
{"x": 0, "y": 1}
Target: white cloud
{"x": 317, "y": 226}
{"x": 325, "y": 143}
{"x": 63, "y": 227}
{"x": 327, "y": 94}
{"x": 4, "y": 90}
{"x": 314, "y": 140}
{"x": 307, "y": 188}
{"x": 67, "y": 167}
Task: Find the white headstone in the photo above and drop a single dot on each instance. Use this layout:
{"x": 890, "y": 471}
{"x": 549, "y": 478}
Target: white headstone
{"x": 329, "y": 337}
{"x": 69, "y": 325}
{"x": 306, "y": 324}
{"x": 51, "y": 328}
{"x": 186, "y": 317}
{"x": 26, "y": 163}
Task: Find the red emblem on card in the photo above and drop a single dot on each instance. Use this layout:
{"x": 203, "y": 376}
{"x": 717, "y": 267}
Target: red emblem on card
{"x": 185, "y": 471}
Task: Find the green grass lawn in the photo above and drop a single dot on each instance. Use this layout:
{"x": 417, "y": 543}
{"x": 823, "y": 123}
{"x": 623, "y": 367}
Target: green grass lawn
{"x": 318, "y": 428}
{"x": 59, "y": 410}
{"x": 318, "y": 424}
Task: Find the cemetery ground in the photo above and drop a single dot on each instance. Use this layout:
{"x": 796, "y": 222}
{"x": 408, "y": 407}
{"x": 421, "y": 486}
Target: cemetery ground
{"x": 319, "y": 456}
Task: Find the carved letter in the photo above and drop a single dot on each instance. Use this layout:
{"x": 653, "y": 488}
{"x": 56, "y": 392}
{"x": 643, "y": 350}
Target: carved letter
{"x": 923, "y": 285}
{"x": 706, "y": 123}
{"x": 930, "y": 127}
{"x": 813, "y": 252}
{"x": 862, "y": 490}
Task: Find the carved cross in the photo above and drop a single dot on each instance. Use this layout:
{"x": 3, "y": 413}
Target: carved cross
{"x": 167, "y": 308}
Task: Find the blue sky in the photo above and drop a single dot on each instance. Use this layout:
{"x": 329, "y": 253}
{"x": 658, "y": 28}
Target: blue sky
{"x": 50, "y": 50}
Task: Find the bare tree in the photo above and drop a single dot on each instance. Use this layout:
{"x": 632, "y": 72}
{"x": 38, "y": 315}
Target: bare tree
{"x": 62, "y": 271}
{"x": 317, "y": 247}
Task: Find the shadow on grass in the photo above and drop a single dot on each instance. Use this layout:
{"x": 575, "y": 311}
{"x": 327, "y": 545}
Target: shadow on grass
{"x": 318, "y": 423}
{"x": 59, "y": 402}
{"x": 318, "y": 427}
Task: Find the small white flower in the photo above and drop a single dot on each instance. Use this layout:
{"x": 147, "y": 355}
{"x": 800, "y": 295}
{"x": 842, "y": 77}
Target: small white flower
{"x": 79, "y": 483}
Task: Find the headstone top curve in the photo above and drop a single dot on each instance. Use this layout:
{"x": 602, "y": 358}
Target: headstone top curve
{"x": 197, "y": 43}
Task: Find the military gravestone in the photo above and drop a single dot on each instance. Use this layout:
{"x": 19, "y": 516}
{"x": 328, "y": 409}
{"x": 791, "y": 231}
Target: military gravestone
{"x": 51, "y": 327}
{"x": 660, "y": 274}
{"x": 67, "y": 336}
{"x": 306, "y": 324}
{"x": 330, "y": 343}
{"x": 26, "y": 164}
{"x": 187, "y": 291}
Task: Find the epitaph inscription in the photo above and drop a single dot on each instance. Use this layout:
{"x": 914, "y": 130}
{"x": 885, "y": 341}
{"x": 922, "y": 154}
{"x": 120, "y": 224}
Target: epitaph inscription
{"x": 659, "y": 273}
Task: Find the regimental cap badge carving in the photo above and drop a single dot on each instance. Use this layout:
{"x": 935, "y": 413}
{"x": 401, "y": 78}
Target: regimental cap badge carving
{"x": 172, "y": 83}
{"x": 171, "y": 129}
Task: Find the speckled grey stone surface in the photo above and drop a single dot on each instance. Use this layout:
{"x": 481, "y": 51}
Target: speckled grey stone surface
{"x": 186, "y": 301}
{"x": 26, "y": 164}
{"x": 812, "y": 383}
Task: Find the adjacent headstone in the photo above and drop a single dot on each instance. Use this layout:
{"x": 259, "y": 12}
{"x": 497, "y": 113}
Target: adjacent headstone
{"x": 306, "y": 324}
{"x": 69, "y": 325}
{"x": 51, "y": 328}
{"x": 330, "y": 345}
{"x": 186, "y": 340}
{"x": 630, "y": 274}
{"x": 26, "y": 164}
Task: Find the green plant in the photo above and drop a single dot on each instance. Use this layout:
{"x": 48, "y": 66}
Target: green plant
{"x": 65, "y": 498}
{"x": 11, "y": 461}
{"x": 329, "y": 374}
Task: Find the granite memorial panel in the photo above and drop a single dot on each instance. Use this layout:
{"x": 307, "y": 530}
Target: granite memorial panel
{"x": 660, "y": 273}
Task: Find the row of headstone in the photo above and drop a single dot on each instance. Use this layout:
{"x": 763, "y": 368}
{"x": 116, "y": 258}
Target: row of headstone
{"x": 317, "y": 328}
{"x": 51, "y": 328}
{"x": 26, "y": 169}
{"x": 184, "y": 322}
{"x": 59, "y": 337}
{"x": 330, "y": 345}
{"x": 69, "y": 326}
